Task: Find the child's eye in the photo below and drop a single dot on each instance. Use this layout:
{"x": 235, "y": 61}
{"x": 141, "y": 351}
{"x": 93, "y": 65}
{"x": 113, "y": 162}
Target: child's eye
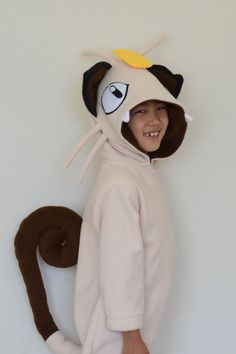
{"x": 161, "y": 107}
{"x": 140, "y": 111}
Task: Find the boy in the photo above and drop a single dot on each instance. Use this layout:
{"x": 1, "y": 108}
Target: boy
{"x": 126, "y": 247}
{"x": 126, "y": 251}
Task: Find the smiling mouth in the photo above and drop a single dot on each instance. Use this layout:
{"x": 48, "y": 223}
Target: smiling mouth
{"x": 152, "y": 134}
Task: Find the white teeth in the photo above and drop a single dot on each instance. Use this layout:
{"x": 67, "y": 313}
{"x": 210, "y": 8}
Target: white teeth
{"x": 151, "y": 134}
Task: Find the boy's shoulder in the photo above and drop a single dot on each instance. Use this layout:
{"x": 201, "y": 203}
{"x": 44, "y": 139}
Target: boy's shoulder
{"x": 116, "y": 174}
{"x": 114, "y": 178}
{"x": 113, "y": 187}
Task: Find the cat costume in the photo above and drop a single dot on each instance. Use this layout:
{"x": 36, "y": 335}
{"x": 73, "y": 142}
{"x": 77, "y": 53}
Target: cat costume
{"x": 123, "y": 242}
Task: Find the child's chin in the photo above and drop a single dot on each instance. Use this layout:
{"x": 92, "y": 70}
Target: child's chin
{"x": 151, "y": 149}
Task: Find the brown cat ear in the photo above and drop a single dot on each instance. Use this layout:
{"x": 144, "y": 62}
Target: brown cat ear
{"x": 91, "y": 80}
{"x": 172, "y": 82}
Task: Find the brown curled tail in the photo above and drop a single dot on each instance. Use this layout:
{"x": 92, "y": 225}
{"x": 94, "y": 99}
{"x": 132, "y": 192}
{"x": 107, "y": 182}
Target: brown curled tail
{"x": 55, "y": 230}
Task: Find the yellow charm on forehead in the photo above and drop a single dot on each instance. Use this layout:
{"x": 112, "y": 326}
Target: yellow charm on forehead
{"x": 133, "y": 59}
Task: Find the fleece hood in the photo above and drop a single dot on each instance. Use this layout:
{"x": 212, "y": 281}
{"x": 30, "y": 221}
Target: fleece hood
{"x": 112, "y": 88}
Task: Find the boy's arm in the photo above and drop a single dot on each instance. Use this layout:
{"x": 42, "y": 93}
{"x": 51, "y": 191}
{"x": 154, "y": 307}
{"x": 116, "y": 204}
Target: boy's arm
{"x": 133, "y": 343}
{"x": 121, "y": 263}
{"x": 134, "y": 335}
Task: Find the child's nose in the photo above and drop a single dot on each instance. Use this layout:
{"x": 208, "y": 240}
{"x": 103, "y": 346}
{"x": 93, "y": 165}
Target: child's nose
{"x": 155, "y": 116}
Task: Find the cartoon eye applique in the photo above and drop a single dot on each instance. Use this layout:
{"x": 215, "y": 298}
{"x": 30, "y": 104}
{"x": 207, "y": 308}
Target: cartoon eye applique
{"x": 113, "y": 96}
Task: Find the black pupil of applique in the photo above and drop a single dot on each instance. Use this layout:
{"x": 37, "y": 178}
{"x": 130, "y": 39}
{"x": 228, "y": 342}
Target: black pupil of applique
{"x": 115, "y": 91}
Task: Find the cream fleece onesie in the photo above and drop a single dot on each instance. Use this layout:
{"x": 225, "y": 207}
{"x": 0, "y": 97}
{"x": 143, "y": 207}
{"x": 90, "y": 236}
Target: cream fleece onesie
{"x": 126, "y": 254}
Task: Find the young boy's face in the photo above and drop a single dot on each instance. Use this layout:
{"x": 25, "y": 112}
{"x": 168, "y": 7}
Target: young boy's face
{"x": 149, "y": 117}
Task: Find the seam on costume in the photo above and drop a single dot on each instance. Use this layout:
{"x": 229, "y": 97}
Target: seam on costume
{"x": 98, "y": 321}
{"x": 127, "y": 163}
{"x": 124, "y": 318}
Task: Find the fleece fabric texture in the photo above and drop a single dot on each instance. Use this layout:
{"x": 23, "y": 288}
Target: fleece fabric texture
{"x": 125, "y": 258}
{"x": 126, "y": 252}
{"x": 54, "y": 230}
{"x": 128, "y": 257}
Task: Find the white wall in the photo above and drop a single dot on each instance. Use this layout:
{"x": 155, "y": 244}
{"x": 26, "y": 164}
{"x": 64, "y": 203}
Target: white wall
{"x": 43, "y": 117}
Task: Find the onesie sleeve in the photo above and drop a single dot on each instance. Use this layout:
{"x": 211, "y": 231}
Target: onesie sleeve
{"x": 121, "y": 261}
